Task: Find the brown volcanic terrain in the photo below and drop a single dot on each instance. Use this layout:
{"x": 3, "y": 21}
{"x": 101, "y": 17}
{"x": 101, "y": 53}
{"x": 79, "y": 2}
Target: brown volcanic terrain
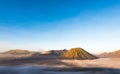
{"x": 78, "y": 53}
{"x": 34, "y": 63}
{"x": 115, "y": 54}
{"x": 17, "y": 52}
{"x": 19, "y": 55}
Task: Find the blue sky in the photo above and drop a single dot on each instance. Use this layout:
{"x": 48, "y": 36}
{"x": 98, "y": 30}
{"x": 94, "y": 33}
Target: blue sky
{"x": 56, "y": 24}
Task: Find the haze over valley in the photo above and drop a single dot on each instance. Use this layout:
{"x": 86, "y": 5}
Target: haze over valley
{"x": 59, "y": 36}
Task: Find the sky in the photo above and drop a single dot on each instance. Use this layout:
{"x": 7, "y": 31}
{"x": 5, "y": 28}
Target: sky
{"x": 57, "y": 24}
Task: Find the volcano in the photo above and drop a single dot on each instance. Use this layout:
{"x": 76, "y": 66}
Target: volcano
{"x": 78, "y": 53}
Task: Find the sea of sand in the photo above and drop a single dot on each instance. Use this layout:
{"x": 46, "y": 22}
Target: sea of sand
{"x": 97, "y": 66}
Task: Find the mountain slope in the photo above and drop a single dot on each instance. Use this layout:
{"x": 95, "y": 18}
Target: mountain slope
{"x": 115, "y": 54}
{"x": 78, "y": 53}
{"x": 17, "y": 52}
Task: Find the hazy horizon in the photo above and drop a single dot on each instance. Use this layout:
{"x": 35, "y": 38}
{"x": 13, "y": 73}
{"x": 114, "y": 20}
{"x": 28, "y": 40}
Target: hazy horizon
{"x": 57, "y": 24}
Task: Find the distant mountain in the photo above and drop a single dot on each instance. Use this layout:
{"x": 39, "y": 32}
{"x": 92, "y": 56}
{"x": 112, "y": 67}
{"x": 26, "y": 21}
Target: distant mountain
{"x": 58, "y": 52}
{"x": 115, "y": 54}
{"x": 78, "y": 53}
{"x": 17, "y": 52}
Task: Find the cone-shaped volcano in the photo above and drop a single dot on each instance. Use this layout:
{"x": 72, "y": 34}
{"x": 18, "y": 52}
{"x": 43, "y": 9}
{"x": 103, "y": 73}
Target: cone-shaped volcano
{"x": 78, "y": 53}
